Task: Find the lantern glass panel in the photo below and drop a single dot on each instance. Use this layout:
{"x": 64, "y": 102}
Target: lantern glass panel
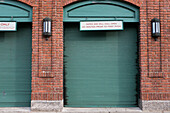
{"x": 49, "y": 26}
{"x": 153, "y": 27}
{"x": 44, "y": 27}
{"x": 157, "y": 27}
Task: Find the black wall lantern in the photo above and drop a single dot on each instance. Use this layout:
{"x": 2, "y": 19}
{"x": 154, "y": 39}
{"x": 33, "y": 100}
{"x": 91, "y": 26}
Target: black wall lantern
{"x": 47, "y": 27}
{"x": 156, "y": 32}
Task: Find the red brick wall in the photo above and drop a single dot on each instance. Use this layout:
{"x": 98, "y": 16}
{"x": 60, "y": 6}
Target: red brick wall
{"x": 155, "y": 74}
{"x": 47, "y": 56}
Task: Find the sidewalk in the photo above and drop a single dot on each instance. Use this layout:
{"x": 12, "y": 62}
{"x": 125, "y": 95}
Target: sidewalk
{"x": 82, "y": 110}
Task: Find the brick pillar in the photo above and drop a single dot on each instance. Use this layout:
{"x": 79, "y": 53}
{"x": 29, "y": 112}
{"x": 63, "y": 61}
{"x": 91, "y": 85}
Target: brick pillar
{"x": 47, "y": 82}
{"x": 155, "y": 93}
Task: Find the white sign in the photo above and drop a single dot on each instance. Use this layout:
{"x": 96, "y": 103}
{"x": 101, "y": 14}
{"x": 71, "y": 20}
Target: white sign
{"x": 8, "y": 26}
{"x": 101, "y": 25}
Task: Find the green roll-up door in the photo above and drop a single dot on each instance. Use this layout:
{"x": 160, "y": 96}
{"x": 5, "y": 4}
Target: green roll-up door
{"x": 100, "y": 67}
{"x": 15, "y": 67}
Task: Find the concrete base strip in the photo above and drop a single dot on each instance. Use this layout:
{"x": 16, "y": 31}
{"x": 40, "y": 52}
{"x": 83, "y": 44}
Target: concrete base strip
{"x": 100, "y": 110}
{"x": 15, "y": 109}
{"x": 155, "y": 105}
{"x": 81, "y": 110}
{"x": 42, "y": 105}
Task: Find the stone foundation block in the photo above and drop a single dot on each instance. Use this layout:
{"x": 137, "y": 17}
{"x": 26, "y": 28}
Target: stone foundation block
{"x": 155, "y": 105}
{"x": 42, "y": 105}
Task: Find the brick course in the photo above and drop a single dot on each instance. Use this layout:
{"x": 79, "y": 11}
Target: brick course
{"x": 47, "y": 56}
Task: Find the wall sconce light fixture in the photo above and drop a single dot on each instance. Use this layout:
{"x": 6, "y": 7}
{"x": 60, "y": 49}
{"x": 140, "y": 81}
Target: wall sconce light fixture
{"x": 156, "y": 32}
{"x": 47, "y": 27}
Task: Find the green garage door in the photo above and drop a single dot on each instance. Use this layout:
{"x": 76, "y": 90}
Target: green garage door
{"x": 100, "y": 67}
{"x": 15, "y": 67}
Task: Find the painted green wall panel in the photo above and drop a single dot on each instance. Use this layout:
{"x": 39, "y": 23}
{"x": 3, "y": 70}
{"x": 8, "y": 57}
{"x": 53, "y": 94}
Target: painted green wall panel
{"x": 15, "y": 67}
{"x": 100, "y": 67}
{"x": 11, "y": 10}
{"x": 7, "y": 10}
{"x": 101, "y": 10}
